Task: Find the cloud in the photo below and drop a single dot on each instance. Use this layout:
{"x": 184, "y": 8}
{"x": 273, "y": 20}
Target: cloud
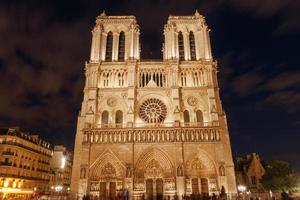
{"x": 283, "y": 81}
{"x": 42, "y": 69}
{"x": 286, "y": 10}
{"x": 286, "y": 100}
{"x": 247, "y": 83}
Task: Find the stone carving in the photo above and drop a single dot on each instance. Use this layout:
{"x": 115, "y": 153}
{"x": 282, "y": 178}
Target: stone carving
{"x": 179, "y": 170}
{"x": 153, "y": 111}
{"x": 196, "y": 164}
{"x": 169, "y": 184}
{"x": 82, "y": 173}
{"x": 128, "y": 172}
{"x": 108, "y": 171}
{"x": 153, "y": 169}
{"x": 112, "y": 102}
{"x": 155, "y": 135}
{"x": 192, "y": 101}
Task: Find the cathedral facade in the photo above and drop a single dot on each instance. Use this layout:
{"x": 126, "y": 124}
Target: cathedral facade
{"x": 151, "y": 128}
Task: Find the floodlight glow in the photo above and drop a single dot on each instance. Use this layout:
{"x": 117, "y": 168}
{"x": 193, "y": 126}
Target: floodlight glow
{"x": 241, "y": 188}
{"x": 63, "y": 162}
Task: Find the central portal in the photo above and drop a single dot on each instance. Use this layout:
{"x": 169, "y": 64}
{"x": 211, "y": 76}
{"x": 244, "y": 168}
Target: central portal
{"x": 154, "y": 189}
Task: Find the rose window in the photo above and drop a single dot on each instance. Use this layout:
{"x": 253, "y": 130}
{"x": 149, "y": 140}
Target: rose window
{"x": 153, "y": 111}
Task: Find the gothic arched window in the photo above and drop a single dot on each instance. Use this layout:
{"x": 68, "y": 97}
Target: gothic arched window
{"x": 192, "y": 46}
{"x": 186, "y": 118}
{"x": 109, "y": 47}
{"x": 199, "y": 116}
{"x": 180, "y": 46}
{"x": 104, "y": 118}
{"x": 121, "y": 54}
{"x": 119, "y": 118}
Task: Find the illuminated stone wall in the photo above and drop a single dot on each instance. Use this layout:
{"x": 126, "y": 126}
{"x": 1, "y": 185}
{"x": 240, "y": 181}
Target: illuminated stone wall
{"x": 154, "y": 128}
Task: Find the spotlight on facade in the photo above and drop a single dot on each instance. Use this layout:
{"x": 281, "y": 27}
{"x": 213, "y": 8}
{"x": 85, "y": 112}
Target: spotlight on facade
{"x": 6, "y": 183}
{"x": 241, "y": 188}
{"x": 63, "y": 162}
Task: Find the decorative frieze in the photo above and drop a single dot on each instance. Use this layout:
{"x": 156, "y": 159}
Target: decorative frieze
{"x": 153, "y": 135}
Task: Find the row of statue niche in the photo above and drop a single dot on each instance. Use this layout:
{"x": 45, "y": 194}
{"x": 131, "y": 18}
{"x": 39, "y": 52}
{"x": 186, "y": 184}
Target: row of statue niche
{"x": 153, "y": 136}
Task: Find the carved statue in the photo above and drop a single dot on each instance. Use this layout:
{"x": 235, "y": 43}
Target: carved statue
{"x": 179, "y": 170}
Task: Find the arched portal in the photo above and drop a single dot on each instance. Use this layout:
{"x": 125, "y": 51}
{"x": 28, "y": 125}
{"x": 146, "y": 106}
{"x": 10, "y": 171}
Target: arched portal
{"x": 153, "y": 169}
{"x": 201, "y": 172}
{"x": 105, "y": 174}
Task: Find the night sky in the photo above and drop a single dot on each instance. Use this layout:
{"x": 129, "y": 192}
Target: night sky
{"x": 44, "y": 45}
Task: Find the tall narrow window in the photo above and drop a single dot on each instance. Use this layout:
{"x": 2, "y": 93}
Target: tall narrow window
{"x": 192, "y": 46}
{"x": 186, "y": 118}
{"x": 180, "y": 46}
{"x": 104, "y": 119}
{"x": 199, "y": 116}
{"x": 119, "y": 118}
{"x": 109, "y": 45}
{"x": 121, "y": 54}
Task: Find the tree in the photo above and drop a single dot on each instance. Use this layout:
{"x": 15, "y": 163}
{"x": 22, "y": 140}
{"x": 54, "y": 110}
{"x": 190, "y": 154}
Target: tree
{"x": 280, "y": 176}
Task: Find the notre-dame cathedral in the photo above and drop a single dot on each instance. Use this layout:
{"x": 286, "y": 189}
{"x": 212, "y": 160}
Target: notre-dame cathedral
{"x": 154, "y": 129}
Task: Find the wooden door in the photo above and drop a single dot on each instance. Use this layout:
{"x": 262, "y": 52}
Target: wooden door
{"x": 195, "y": 185}
{"x": 149, "y": 189}
{"x": 103, "y": 190}
{"x": 159, "y": 189}
{"x": 112, "y": 190}
{"x": 204, "y": 186}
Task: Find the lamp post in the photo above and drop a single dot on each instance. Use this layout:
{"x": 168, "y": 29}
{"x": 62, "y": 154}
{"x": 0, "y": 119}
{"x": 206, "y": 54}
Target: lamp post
{"x": 241, "y": 189}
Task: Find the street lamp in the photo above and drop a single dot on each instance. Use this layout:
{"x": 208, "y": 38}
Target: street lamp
{"x": 241, "y": 188}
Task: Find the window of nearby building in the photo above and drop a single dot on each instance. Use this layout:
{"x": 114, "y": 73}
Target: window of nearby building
{"x": 253, "y": 180}
{"x": 180, "y": 46}
{"x": 109, "y": 47}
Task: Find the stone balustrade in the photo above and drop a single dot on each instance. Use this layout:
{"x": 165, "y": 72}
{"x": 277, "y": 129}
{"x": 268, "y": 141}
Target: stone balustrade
{"x": 152, "y": 135}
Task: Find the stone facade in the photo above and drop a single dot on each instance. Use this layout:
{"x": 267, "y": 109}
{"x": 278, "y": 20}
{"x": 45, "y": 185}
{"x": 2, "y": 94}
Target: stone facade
{"x": 153, "y": 128}
{"x": 24, "y": 163}
{"x": 249, "y": 171}
{"x": 61, "y": 165}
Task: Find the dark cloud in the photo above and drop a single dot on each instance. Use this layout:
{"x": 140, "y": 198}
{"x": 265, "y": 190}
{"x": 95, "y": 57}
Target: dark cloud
{"x": 285, "y": 100}
{"x": 245, "y": 84}
{"x": 287, "y": 12}
{"x": 283, "y": 81}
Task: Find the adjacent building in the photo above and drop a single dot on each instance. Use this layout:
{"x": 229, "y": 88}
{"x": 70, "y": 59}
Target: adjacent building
{"x": 249, "y": 171}
{"x": 24, "y": 162}
{"x": 154, "y": 128}
{"x": 61, "y": 165}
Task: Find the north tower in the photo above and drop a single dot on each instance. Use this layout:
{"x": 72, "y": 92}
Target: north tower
{"x": 153, "y": 128}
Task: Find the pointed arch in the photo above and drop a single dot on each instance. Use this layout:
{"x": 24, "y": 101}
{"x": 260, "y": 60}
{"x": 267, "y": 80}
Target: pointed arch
{"x": 199, "y": 117}
{"x": 104, "y": 118}
{"x": 107, "y": 165}
{"x": 180, "y": 46}
{"x": 201, "y": 164}
{"x": 121, "y": 54}
{"x": 192, "y": 45}
{"x": 119, "y": 118}
{"x": 154, "y": 158}
{"x": 109, "y": 47}
{"x": 186, "y": 117}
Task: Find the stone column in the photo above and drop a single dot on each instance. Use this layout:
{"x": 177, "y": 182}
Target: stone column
{"x": 186, "y": 45}
{"x": 103, "y": 46}
{"x": 115, "y": 52}
{"x": 96, "y": 41}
